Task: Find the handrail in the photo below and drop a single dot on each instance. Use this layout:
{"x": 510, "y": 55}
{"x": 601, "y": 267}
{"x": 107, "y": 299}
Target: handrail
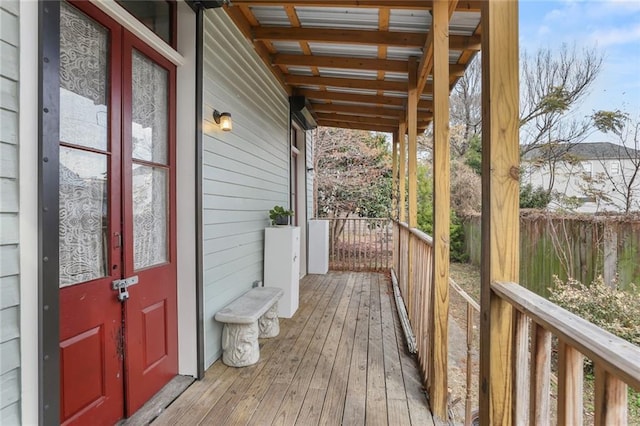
{"x": 426, "y": 238}
{"x": 616, "y": 355}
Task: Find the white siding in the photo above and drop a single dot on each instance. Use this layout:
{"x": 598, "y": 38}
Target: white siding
{"x": 9, "y": 203}
{"x": 245, "y": 171}
{"x": 310, "y": 173}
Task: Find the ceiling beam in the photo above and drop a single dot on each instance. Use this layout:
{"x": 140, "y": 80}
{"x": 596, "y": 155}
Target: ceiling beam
{"x": 342, "y": 36}
{"x": 351, "y": 83}
{"x": 357, "y": 126}
{"x": 341, "y": 62}
{"x": 463, "y": 6}
{"x": 359, "y": 110}
{"x": 360, "y": 99}
{"x": 346, "y": 118}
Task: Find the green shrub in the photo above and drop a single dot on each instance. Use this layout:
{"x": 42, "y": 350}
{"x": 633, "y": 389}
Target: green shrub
{"x": 614, "y": 310}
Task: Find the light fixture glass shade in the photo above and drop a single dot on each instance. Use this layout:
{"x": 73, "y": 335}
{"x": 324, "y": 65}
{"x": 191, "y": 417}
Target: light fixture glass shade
{"x": 223, "y": 119}
{"x": 225, "y": 122}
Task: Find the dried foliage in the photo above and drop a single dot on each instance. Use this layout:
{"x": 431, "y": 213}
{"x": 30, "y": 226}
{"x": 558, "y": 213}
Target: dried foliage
{"x": 614, "y": 310}
{"x": 352, "y": 173}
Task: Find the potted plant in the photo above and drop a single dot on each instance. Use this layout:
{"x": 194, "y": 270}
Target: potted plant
{"x": 279, "y": 215}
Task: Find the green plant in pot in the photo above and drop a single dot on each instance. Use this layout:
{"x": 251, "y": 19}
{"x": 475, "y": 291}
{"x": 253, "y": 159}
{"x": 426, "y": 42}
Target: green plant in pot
{"x": 279, "y": 215}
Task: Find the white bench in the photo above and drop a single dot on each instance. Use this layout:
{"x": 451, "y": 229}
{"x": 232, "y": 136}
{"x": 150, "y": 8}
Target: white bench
{"x": 252, "y": 315}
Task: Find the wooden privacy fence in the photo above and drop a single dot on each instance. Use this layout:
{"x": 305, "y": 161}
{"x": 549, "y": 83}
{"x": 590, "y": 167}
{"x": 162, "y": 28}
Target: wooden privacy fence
{"x": 360, "y": 244}
{"x": 616, "y": 363}
{"x": 412, "y": 263}
{"x": 579, "y": 246}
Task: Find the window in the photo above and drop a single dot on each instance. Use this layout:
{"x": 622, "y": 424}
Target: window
{"x": 586, "y": 167}
{"x": 614, "y": 168}
{"x": 158, "y": 16}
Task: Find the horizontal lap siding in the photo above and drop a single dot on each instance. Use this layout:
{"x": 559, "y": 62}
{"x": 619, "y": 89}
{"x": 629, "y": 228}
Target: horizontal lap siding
{"x": 245, "y": 171}
{"x": 9, "y": 203}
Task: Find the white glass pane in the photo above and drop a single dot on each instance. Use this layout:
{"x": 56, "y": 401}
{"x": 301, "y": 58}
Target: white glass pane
{"x": 149, "y": 129}
{"x": 84, "y": 47}
{"x": 150, "y": 214}
{"x": 83, "y": 216}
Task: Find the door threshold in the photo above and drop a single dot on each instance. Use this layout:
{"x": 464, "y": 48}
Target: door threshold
{"x": 159, "y": 402}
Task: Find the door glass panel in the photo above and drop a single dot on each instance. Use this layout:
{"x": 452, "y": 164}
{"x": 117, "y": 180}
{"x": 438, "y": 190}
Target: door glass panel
{"x": 83, "y": 216}
{"x": 150, "y": 215}
{"x": 84, "y": 46}
{"x": 149, "y": 129}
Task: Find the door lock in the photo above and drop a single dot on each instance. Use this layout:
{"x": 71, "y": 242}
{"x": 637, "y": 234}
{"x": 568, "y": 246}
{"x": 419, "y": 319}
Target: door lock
{"x": 121, "y": 286}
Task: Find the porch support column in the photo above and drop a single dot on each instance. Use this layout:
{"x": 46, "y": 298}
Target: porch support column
{"x": 412, "y": 127}
{"x": 441, "y": 210}
{"x": 394, "y": 185}
{"x": 402, "y": 175}
{"x": 500, "y": 211}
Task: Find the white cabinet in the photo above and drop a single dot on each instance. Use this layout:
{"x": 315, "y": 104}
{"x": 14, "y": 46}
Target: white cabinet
{"x": 318, "y": 246}
{"x": 282, "y": 265}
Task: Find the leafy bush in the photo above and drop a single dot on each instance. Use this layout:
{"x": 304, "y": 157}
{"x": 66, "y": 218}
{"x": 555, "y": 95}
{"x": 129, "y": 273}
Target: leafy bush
{"x": 533, "y": 198}
{"x": 614, "y": 310}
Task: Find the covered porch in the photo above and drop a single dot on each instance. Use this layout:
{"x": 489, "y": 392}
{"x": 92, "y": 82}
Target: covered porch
{"x": 342, "y": 359}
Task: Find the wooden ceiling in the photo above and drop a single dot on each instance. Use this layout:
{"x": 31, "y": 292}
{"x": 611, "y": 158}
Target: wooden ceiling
{"x": 351, "y": 58}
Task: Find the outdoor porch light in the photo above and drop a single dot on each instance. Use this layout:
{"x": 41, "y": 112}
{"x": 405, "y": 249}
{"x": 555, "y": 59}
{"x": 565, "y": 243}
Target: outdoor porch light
{"x": 223, "y": 119}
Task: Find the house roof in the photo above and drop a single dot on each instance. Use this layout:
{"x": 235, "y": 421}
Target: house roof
{"x": 587, "y": 151}
{"x": 351, "y": 58}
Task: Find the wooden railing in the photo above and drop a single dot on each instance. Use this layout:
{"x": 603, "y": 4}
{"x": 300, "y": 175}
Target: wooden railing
{"x": 360, "y": 244}
{"x": 472, "y": 311}
{"x": 616, "y": 362}
{"x": 412, "y": 263}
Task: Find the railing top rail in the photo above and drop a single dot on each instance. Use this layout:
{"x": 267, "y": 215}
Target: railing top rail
{"x": 352, "y": 218}
{"x": 614, "y": 354}
{"x": 426, "y": 238}
{"x": 464, "y": 295}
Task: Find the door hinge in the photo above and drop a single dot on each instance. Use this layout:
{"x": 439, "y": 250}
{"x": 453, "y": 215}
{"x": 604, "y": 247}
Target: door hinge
{"x": 121, "y": 286}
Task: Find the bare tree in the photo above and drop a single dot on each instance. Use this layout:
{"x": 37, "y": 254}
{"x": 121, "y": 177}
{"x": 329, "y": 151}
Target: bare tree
{"x": 553, "y": 84}
{"x": 466, "y": 106}
{"x": 623, "y": 176}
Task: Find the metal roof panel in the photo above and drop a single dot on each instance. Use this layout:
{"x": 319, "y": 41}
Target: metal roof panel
{"x": 409, "y": 20}
{"x": 338, "y": 17}
{"x": 273, "y": 16}
{"x": 347, "y": 50}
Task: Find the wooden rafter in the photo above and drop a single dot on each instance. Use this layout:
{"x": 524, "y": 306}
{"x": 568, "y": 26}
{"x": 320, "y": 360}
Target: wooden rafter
{"x": 384, "y": 89}
{"x": 463, "y": 6}
{"x": 360, "y": 99}
{"x": 344, "y": 36}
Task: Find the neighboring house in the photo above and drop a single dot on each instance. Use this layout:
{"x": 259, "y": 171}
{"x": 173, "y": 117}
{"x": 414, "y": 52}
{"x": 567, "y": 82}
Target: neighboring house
{"x": 113, "y": 167}
{"x": 593, "y": 176}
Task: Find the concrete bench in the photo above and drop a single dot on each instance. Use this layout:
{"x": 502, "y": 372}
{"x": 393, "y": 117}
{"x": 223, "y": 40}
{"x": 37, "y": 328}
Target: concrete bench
{"x": 252, "y": 315}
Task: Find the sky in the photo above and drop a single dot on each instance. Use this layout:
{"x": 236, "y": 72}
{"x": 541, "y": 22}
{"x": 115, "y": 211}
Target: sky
{"x": 610, "y": 26}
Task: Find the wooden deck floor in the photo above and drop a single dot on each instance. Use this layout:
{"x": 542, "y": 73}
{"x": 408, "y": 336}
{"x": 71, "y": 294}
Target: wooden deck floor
{"x": 340, "y": 360}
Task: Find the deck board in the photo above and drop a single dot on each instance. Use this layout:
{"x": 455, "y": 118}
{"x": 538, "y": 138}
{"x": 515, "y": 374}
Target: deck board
{"x": 339, "y": 360}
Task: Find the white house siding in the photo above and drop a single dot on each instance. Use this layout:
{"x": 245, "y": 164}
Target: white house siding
{"x": 9, "y": 209}
{"x": 310, "y": 173}
{"x": 245, "y": 171}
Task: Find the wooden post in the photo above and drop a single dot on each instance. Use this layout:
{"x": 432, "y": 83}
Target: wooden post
{"x": 610, "y": 399}
{"x": 441, "y": 211}
{"x": 394, "y": 186}
{"x": 402, "y": 175}
{"x": 412, "y": 127}
{"x": 500, "y": 211}
{"x": 570, "y": 385}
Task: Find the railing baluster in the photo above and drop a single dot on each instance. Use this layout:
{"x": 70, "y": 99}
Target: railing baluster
{"x": 570, "y": 379}
{"x": 540, "y": 376}
{"x": 522, "y": 389}
{"x": 467, "y": 403}
{"x": 610, "y": 399}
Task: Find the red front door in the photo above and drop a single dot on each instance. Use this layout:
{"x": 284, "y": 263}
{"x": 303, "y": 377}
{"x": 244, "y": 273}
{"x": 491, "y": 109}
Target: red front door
{"x": 117, "y": 221}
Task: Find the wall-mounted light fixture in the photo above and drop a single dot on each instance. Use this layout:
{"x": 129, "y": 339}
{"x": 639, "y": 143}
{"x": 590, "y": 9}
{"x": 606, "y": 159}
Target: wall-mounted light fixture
{"x": 223, "y": 119}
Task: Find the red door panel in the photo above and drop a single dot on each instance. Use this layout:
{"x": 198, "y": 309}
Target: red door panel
{"x": 151, "y": 330}
{"x": 91, "y": 370}
{"x": 113, "y": 186}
